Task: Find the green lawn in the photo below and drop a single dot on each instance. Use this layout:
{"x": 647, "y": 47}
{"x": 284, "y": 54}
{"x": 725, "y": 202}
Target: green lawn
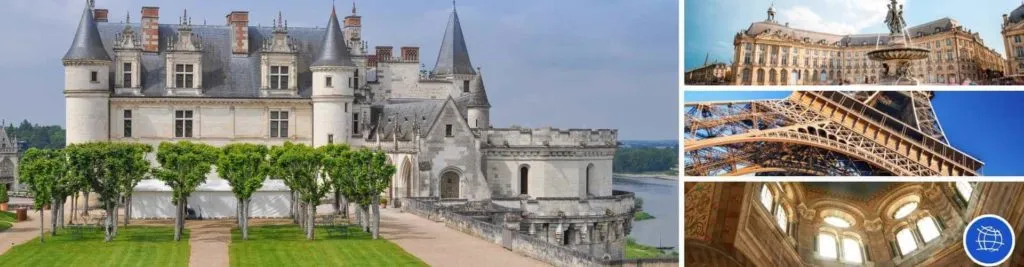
{"x": 6, "y": 220}
{"x": 133, "y": 246}
{"x": 285, "y": 245}
{"x": 636, "y": 250}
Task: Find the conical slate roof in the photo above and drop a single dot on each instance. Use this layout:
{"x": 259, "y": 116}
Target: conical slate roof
{"x": 87, "y": 44}
{"x": 333, "y": 53}
{"x": 478, "y": 95}
{"x": 453, "y": 57}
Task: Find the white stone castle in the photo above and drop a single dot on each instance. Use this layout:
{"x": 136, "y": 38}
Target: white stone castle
{"x": 148, "y": 82}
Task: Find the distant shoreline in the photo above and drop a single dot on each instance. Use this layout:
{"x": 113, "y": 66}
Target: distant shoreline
{"x": 650, "y": 175}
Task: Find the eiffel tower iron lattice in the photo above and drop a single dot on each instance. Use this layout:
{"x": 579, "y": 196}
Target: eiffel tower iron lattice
{"x": 878, "y": 133}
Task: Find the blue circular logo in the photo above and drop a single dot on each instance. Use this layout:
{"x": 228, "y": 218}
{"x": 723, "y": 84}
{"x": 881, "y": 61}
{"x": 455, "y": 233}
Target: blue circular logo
{"x": 988, "y": 240}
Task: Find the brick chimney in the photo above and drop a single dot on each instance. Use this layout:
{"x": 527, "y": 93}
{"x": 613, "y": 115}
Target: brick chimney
{"x": 383, "y": 53}
{"x": 410, "y": 53}
{"x": 239, "y": 22}
{"x": 100, "y": 15}
{"x": 150, "y": 29}
{"x": 371, "y": 61}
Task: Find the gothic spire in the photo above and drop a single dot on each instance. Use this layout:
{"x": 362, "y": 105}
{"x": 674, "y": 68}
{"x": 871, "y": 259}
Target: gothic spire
{"x": 333, "y": 51}
{"x": 453, "y": 57}
{"x": 87, "y": 44}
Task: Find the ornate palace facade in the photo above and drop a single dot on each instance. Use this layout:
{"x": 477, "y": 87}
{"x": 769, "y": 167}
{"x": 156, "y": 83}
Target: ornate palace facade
{"x": 772, "y": 53}
{"x": 841, "y": 224}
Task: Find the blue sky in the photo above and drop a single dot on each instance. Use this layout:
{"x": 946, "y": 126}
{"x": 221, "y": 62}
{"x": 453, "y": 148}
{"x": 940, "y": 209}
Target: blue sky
{"x": 565, "y": 63}
{"x": 984, "y": 124}
{"x": 710, "y": 25}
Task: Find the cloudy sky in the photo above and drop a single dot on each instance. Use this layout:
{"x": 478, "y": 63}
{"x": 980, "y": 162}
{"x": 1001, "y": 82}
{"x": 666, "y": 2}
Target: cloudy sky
{"x": 565, "y": 63}
{"x": 710, "y": 25}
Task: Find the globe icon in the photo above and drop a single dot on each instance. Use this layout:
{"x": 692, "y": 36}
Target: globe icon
{"x": 989, "y": 239}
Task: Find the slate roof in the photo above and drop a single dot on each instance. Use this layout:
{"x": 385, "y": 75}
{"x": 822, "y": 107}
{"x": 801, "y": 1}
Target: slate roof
{"x": 1017, "y": 14}
{"x": 333, "y": 51}
{"x": 224, "y": 75}
{"x": 454, "y": 56}
{"x": 943, "y": 24}
{"x": 87, "y": 44}
{"x": 403, "y": 115}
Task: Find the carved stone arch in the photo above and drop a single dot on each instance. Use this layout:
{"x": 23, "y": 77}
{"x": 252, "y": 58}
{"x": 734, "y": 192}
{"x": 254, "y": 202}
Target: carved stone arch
{"x": 406, "y": 176}
{"x": 450, "y": 182}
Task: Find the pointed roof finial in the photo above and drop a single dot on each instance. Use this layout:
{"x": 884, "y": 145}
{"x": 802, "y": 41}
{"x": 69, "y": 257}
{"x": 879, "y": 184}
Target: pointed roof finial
{"x": 453, "y": 4}
{"x": 128, "y": 17}
{"x": 353, "y": 7}
{"x": 279, "y": 19}
{"x": 332, "y": 8}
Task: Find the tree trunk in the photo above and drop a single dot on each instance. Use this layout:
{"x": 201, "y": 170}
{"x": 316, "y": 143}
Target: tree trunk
{"x": 62, "y": 202}
{"x": 113, "y": 222}
{"x": 107, "y": 229}
{"x": 127, "y": 209}
{"x": 42, "y": 234}
{"x": 178, "y": 219}
{"x": 376, "y": 216}
{"x": 74, "y": 203}
{"x": 53, "y": 217}
{"x": 293, "y": 206}
{"x": 85, "y": 208}
{"x": 344, "y": 206}
{"x": 245, "y": 219}
{"x": 310, "y": 222}
{"x": 337, "y": 201}
{"x": 238, "y": 211}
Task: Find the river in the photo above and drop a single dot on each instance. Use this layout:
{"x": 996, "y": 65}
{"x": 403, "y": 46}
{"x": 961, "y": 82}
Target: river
{"x": 661, "y": 199}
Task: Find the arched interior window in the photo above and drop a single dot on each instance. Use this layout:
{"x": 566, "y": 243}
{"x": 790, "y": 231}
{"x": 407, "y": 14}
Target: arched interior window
{"x": 928, "y": 228}
{"x": 904, "y": 210}
{"x": 905, "y": 241}
{"x": 837, "y": 222}
{"x": 852, "y": 250}
{"x": 827, "y": 246}
{"x": 781, "y": 219}
{"x": 766, "y": 197}
{"x": 964, "y": 189}
{"x": 524, "y": 175}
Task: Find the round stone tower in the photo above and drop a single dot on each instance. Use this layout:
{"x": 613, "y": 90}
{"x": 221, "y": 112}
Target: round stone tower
{"x": 87, "y": 84}
{"x": 333, "y": 87}
{"x": 478, "y": 108}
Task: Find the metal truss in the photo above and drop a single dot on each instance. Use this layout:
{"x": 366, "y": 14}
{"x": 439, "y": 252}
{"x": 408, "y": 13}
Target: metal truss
{"x": 790, "y": 137}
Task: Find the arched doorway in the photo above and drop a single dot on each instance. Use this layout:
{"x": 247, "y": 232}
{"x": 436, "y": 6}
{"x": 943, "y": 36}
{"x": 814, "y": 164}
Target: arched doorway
{"x": 760, "y": 76}
{"x": 450, "y": 184}
{"x": 524, "y": 180}
{"x": 407, "y": 177}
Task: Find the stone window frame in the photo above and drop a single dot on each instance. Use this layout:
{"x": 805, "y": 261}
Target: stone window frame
{"x": 187, "y": 120}
{"x": 772, "y": 208}
{"x": 910, "y": 223}
{"x": 839, "y": 234}
{"x": 187, "y": 72}
{"x": 126, "y": 116}
{"x": 523, "y": 178}
{"x": 282, "y": 125}
{"x": 279, "y": 77}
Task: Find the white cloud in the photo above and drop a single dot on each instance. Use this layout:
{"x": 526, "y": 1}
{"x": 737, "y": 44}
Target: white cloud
{"x": 837, "y": 16}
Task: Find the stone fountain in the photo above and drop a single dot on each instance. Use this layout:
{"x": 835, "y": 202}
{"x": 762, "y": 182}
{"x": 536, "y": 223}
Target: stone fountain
{"x": 897, "y": 57}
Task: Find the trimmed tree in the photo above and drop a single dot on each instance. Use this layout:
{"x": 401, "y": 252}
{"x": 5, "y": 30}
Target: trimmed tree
{"x": 97, "y": 164}
{"x": 299, "y": 165}
{"x": 131, "y": 167}
{"x": 65, "y": 184}
{"x": 183, "y": 166}
{"x": 37, "y": 169}
{"x": 378, "y": 180}
{"x": 338, "y": 168}
{"x": 85, "y": 161}
{"x": 245, "y": 167}
{"x": 3, "y": 195}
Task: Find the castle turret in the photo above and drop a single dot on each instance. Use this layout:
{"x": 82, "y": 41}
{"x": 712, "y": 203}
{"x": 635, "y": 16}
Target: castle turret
{"x": 87, "y": 83}
{"x": 453, "y": 59}
{"x": 478, "y": 108}
{"x": 333, "y": 84}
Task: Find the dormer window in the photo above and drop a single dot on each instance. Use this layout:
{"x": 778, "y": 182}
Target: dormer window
{"x": 126, "y": 74}
{"x": 184, "y": 75}
{"x": 278, "y": 77}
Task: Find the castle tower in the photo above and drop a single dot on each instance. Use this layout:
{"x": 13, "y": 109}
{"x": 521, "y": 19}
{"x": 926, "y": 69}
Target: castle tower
{"x": 333, "y": 86}
{"x": 353, "y": 32}
{"x": 453, "y": 59}
{"x": 478, "y": 108}
{"x": 87, "y": 84}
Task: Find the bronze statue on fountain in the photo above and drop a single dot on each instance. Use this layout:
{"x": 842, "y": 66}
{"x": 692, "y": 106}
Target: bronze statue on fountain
{"x": 898, "y": 56}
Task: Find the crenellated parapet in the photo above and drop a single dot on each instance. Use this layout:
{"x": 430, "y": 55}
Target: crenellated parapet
{"x": 550, "y": 137}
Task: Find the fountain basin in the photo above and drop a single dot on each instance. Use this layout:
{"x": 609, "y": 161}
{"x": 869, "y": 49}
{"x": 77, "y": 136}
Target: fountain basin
{"x": 898, "y": 53}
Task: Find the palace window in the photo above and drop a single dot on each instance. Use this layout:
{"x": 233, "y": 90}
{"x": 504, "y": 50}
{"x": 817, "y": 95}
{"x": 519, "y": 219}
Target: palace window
{"x": 278, "y": 124}
{"x": 781, "y": 219}
{"x": 929, "y": 229}
{"x": 766, "y": 197}
{"x": 1016, "y": 39}
{"x": 524, "y": 179}
{"x": 465, "y": 86}
{"x": 1020, "y": 51}
{"x": 183, "y": 75}
{"x": 827, "y": 246}
{"x": 126, "y": 74}
{"x": 904, "y": 210}
{"x": 852, "y": 250}
{"x": 905, "y": 241}
{"x": 355, "y": 79}
{"x": 94, "y": 77}
{"x": 278, "y": 77}
{"x": 328, "y": 82}
{"x": 949, "y": 42}
{"x": 448, "y": 130}
{"x": 183, "y": 123}
{"x": 127, "y": 123}
{"x": 355, "y": 123}
{"x": 964, "y": 189}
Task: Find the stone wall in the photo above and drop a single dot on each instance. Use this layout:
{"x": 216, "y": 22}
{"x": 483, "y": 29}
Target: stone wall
{"x": 551, "y": 137}
{"x": 509, "y": 239}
